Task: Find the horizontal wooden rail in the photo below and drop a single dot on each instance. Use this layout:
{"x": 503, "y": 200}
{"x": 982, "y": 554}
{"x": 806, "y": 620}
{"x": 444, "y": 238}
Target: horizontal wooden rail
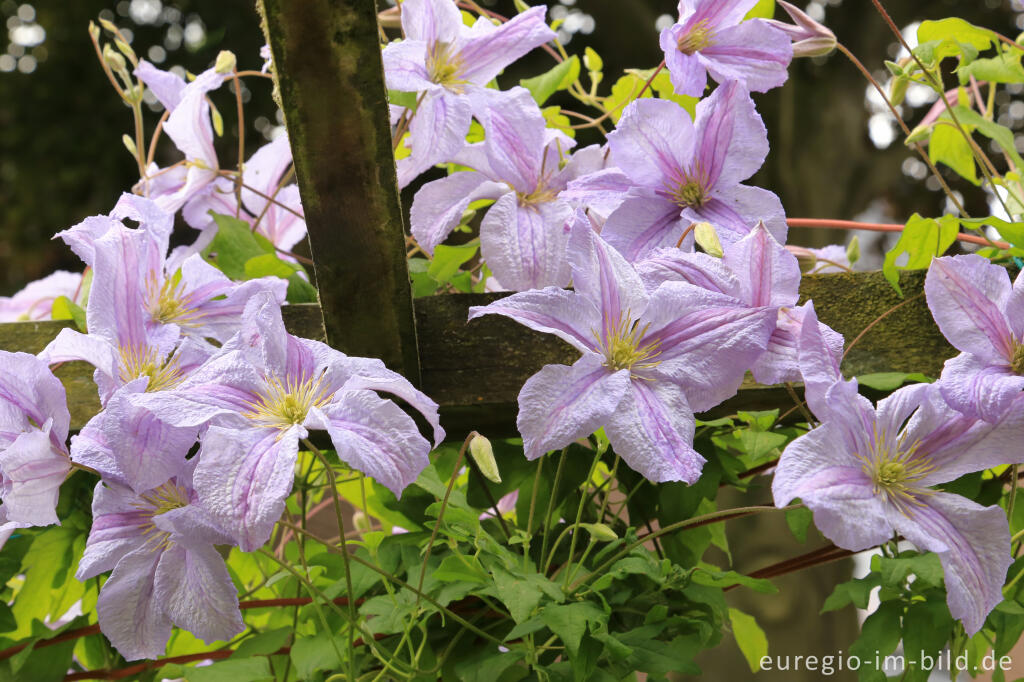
{"x": 474, "y": 370}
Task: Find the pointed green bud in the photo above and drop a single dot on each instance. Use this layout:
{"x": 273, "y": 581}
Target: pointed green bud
{"x": 600, "y": 532}
{"x": 483, "y": 454}
{"x": 94, "y": 31}
{"x": 362, "y": 522}
{"x": 918, "y": 134}
{"x": 109, "y": 25}
{"x": 591, "y": 60}
{"x": 125, "y": 48}
{"x": 218, "y": 121}
{"x": 225, "y": 62}
{"x": 520, "y": 6}
{"x": 114, "y": 59}
{"x": 853, "y": 250}
{"x": 707, "y": 238}
{"x": 129, "y": 144}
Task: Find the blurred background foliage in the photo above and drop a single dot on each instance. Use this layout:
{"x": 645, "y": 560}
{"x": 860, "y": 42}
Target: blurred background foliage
{"x": 835, "y": 151}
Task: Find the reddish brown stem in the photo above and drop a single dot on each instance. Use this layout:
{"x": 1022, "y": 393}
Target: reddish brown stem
{"x": 881, "y": 227}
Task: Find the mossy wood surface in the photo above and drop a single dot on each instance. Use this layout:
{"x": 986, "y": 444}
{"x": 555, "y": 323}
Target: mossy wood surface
{"x": 475, "y": 369}
{"x": 331, "y": 82}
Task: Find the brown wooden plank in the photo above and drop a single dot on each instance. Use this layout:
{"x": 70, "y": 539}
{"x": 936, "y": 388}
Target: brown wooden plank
{"x": 474, "y": 370}
{"x": 331, "y": 83}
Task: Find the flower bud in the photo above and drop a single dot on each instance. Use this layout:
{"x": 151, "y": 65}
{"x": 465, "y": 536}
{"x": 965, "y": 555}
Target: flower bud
{"x": 805, "y": 258}
{"x": 810, "y": 38}
{"x": 853, "y": 250}
{"x": 113, "y": 59}
{"x": 124, "y": 48}
{"x": 225, "y": 62}
{"x": 129, "y": 144}
{"x": 94, "y": 31}
{"x": 109, "y": 25}
{"x": 483, "y": 454}
{"x": 707, "y": 238}
{"x": 600, "y": 532}
{"x": 362, "y": 522}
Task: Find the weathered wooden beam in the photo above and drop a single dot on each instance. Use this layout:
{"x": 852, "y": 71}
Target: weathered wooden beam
{"x": 331, "y": 82}
{"x": 474, "y": 370}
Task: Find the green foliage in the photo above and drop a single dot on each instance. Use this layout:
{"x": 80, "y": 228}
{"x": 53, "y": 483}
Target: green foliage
{"x": 921, "y": 240}
{"x": 559, "y": 77}
{"x": 66, "y": 309}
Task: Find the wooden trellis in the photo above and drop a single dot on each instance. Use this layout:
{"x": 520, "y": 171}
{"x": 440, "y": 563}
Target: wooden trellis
{"x": 327, "y": 57}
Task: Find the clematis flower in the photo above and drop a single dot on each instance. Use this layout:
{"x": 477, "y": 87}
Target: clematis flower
{"x": 263, "y": 393}
{"x": 756, "y": 272}
{"x": 522, "y": 164}
{"x": 674, "y": 172}
{"x": 648, "y": 360}
{"x": 982, "y": 315}
{"x": 190, "y": 128}
{"x": 35, "y": 301}
{"x": 451, "y": 64}
{"x": 280, "y": 220}
{"x": 711, "y": 37}
{"x": 34, "y": 423}
{"x": 868, "y": 473}
{"x": 160, "y": 546}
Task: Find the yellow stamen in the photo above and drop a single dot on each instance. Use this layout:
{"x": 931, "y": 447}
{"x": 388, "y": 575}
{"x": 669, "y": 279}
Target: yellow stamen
{"x": 443, "y": 67}
{"x": 896, "y": 472}
{"x": 283, "y": 404}
{"x": 1017, "y": 361}
{"x": 159, "y": 501}
{"x": 696, "y": 39}
{"x": 146, "y": 362}
{"x": 623, "y": 346}
{"x": 170, "y": 304}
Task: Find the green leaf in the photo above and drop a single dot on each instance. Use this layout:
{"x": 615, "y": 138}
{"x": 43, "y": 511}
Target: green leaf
{"x": 890, "y": 381}
{"x": 856, "y": 592}
{"x": 624, "y": 91}
{"x": 263, "y": 644}
{"x": 448, "y": 259}
{"x": 560, "y": 77}
{"x": 879, "y": 636}
{"x": 234, "y": 244}
{"x": 956, "y": 30}
{"x": 1004, "y": 68}
{"x": 1011, "y": 232}
{"x": 921, "y": 239}
{"x": 926, "y": 628}
{"x": 1000, "y": 134}
{"x": 66, "y": 309}
{"x": 894, "y": 571}
{"x": 231, "y": 670}
{"x": 521, "y": 594}
{"x": 46, "y": 569}
{"x": 310, "y": 654}
{"x": 486, "y": 665}
{"x": 713, "y": 578}
{"x": 570, "y": 622}
{"x": 267, "y": 265}
{"x": 460, "y": 567}
{"x": 764, "y": 9}
{"x": 949, "y": 146}
{"x": 750, "y": 638}
{"x": 799, "y": 520}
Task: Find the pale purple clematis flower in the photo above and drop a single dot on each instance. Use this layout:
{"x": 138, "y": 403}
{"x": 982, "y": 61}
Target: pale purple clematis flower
{"x": 190, "y": 128}
{"x": 35, "y": 301}
{"x": 34, "y": 423}
{"x": 982, "y": 315}
{"x": 184, "y": 291}
{"x": 263, "y": 393}
{"x": 674, "y": 172}
{"x": 524, "y": 166}
{"x": 868, "y": 474}
{"x": 827, "y": 259}
{"x": 166, "y": 570}
{"x": 757, "y": 272}
{"x": 279, "y": 219}
{"x": 451, "y": 64}
{"x": 711, "y": 37}
{"x": 649, "y": 360}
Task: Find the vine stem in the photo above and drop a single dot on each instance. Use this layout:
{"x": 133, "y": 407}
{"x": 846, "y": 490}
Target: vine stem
{"x": 551, "y": 503}
{"x": 882, "y": 227}
{"x": 703, "y": 520}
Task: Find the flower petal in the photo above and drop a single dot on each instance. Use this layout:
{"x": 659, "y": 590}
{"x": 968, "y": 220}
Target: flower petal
{"x": 551, "y": 311}
{"x": 734, "y": 211}
{"x": 652, "y": 429}
{"x": 965, "y": 295}
{"x": 431, "y": 20}
{"x": 129, "y": 608}
{"x": 436, "y": 133}
{"x": 602, "y": 276}
{"x": 525, "y": 246}
{"x": 768, "y": 273}
{"x": 560, "y": 404}
{"x": 973, "y": 543}
{"x": 754, "y": 53}
{"x": 515, "y": 130}
{"x": 653, "y": 142}
{"x": 979, "y": 388}
{"x": 438, "y": 206}
{"x": 732, "y": 142}
{"x": 243, "y": 478}
{"x": 642, "y": 224}
{"x": 32, "y": 471}
{"x": 492, "y": 48}
{"x": 198, "y": 593}
{"x": 689, "y": 77}
{"x": 118, "y": 528}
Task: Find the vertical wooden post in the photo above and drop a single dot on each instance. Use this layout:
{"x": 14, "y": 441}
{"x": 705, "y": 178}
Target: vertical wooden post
{"x": 328, "y": 62}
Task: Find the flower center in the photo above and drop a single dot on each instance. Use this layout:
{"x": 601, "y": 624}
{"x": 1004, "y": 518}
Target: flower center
{"x": 444, "y": 67}
{"x": 168, "y": 303}
{"x": 283, "y": 404}
{"x": 697, "y": 38}
{"x": 146, "y": 362}
{"x": 159, "y": 501}
{"x": 1017, "y": 362}
{"x": 689, "y": 195}
{"x": 896, "y": 473}
{"x": 624, "y": 347}
{"x": 541, "y": 195}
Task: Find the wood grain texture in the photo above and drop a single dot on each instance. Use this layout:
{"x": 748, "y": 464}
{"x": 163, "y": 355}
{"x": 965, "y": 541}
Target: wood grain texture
{"x": 474, "y": 370}
{"x": 331, "y": 85}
